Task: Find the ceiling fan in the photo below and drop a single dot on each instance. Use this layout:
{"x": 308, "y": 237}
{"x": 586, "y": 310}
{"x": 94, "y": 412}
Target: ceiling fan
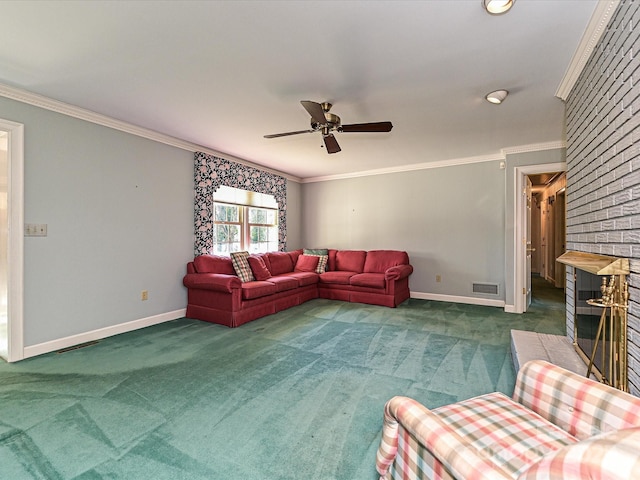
{"x": 326, "y": 123}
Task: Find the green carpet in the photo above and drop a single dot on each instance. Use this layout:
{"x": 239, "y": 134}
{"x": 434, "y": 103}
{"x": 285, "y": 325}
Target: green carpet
{"x": 296, "y": 395}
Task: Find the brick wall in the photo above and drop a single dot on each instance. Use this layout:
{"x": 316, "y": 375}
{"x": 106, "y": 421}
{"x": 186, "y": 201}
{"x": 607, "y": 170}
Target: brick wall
{"x": 603, "y": 160}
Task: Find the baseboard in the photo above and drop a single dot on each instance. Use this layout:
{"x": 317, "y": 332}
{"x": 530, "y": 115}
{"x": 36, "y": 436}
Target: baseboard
{"x": 54, "y": 345}
{"x": 487, "y": 302}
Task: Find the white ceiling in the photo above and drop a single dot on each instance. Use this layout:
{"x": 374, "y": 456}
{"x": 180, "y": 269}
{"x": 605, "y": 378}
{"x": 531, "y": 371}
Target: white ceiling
{"x": 222, "y": 74}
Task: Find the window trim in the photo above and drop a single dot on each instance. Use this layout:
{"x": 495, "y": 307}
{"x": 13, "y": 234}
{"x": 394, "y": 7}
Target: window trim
{"x": 245, "y": 226}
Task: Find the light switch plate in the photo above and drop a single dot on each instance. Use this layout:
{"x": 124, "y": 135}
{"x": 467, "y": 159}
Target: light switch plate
{"x": 35, "y": 229}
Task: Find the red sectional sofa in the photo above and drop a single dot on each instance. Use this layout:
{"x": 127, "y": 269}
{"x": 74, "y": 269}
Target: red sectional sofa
{"x": 216, "y": 294}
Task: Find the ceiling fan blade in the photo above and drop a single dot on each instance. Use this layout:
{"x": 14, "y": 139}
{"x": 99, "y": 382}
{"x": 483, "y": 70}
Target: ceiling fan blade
{"x": 276, "y": 135}
{"x": 367, "y": 127}
{"x": 315, "y": 110}
{"x": 331, "y": 143}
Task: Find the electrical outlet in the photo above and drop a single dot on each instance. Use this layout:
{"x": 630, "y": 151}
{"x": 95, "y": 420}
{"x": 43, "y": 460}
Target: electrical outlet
{"x": 144, "y": 295}
{"x": 438, "y": 278}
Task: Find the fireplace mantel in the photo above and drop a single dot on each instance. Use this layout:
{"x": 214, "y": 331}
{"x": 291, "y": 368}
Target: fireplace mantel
{"x": 596, "y": 264}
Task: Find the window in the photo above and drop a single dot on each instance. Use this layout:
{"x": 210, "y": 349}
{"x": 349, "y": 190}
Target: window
{"x": 244, "y": 220}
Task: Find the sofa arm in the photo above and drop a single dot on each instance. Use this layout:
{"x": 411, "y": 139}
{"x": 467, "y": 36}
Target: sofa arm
{"x": 425, "y": 431}
{"x": 212, "y": 281}
{"x": 576, "y": 404}
{"x": 398, "y": 272}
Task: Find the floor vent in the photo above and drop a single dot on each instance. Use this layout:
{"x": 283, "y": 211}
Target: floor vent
{"x": 76, "y": 347}
{"x": 485, "y": 288}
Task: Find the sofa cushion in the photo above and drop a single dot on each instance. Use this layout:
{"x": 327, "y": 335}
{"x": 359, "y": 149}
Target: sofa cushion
{"x": 341, "y": 278}
{"x": 279, "y": 263}
{"x": 350, "y": 260}
{"x": 373, "y": 280}
{"x": 241, "y": 266}
{"x": 213, "y": 264}
{"x": 306, "y": 263}
{"x": 284, "y": 282}
{"x": 612, "y": 455}
{"x": 304, "y": 278}
{"x": 257, "y": 289}
{"x": 259, "y": 268}
{"x": 378, "y": 261}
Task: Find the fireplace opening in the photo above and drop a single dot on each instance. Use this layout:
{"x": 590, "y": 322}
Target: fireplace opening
{"x": 587, "y": 321}
{"x": 597, "y": 301}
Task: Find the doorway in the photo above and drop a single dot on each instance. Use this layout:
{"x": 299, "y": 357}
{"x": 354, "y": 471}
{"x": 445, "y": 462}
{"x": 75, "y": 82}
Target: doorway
{"x": 11, "y": 240}
{"x": 545, "y": 231}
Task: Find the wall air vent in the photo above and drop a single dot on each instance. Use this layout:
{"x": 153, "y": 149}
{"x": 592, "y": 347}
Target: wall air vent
{"x": 485, "y": 288}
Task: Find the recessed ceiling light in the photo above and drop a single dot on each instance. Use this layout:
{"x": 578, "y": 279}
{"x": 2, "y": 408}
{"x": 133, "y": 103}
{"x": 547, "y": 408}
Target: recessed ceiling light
{"x": 497, "y": 7}
{"x": 497, "y": 97}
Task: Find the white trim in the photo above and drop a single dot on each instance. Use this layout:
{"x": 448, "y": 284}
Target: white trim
{"x": 595, "y": 29}
{"x": 438, "y": 297}
{"x": 536, "y": 147}
{"x": 54, "y": 345}
{"x": 408, "y": 168}
{"x": 519, "y": 220}
{"x": 15, "y": 260}
{"x": 41, "y": 101}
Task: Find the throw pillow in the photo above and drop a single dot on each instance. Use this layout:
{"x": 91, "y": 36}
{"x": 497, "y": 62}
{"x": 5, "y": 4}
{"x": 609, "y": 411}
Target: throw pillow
{"x": 307, "y": 263}
{"x": 321, "y": 252}
{"x": 241, "y": 266}
{"x": 259, "y": 268}
{"x": 322, "y": 263}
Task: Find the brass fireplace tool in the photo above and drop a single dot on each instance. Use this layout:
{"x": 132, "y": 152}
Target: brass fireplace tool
{"x": 614, "y": 303}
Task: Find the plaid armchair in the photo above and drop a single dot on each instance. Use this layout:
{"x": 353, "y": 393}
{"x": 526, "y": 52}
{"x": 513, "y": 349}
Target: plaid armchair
{"x": 557, "y": 425}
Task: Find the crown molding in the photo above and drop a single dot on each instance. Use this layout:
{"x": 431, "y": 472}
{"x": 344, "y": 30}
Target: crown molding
{"x": 407, "y": 168}
{"x": 536, "y": 147}
{"x": 590, "y": 38}
{"x": 57, "y": 106}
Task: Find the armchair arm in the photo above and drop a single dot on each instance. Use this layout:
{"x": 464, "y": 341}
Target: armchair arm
{"x": 420, "y": 429}
{"x": 578, "y": 405}
{"x": 212, "y": 281}
{"x": 398, "y": 272}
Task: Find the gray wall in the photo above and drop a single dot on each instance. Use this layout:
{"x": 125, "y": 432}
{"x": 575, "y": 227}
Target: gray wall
{"x": 603, "y": 177}
{"x": 450, "y": 220}
{"x": 119, "y": 210}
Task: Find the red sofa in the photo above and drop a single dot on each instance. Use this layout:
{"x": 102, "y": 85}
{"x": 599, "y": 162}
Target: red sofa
{"x": 216, "y": 294}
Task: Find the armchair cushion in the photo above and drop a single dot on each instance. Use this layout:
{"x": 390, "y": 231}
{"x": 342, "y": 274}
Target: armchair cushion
{"x": 490, "y": 436}
{"x": 612, "y": 455}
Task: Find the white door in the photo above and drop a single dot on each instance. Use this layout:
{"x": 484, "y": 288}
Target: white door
{"x": 528, "y": 248}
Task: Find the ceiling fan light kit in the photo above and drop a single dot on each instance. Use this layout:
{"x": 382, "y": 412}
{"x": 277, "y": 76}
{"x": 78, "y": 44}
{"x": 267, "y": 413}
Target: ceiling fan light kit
{"x": 325, "y": 122}
{"x": 497, "y": 7}
{"x": 496, "y": 97}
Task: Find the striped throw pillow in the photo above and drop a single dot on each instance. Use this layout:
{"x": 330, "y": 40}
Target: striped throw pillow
{"x": 241, "y": 265}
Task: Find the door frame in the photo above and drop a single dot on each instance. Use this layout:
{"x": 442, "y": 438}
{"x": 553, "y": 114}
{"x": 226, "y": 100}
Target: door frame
{"x": 520, "y": 230}
{"x": 15, "y": 260}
